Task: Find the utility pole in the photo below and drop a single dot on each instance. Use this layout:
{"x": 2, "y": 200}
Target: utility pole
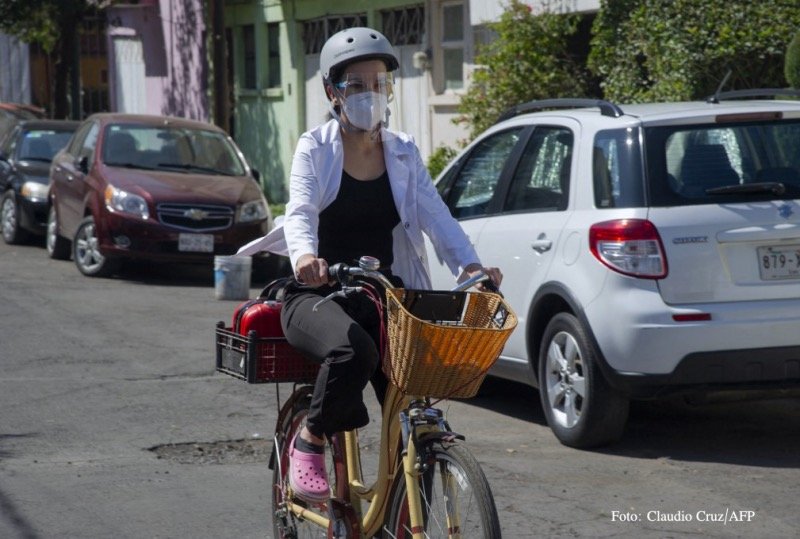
{"x": 219, "y": 60}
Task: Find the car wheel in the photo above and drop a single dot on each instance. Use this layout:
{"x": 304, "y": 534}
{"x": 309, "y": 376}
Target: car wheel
{"x": 57, "y": 246}
{"x": 581, "y": 408}
{"x": 9, "y": 217}
{"x": 86, "y": 252}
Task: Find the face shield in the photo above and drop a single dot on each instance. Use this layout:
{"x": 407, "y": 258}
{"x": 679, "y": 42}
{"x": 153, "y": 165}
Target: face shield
{"x": 365, "y": 98}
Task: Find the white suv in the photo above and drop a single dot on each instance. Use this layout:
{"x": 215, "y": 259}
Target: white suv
{"x": 646, "y": 249}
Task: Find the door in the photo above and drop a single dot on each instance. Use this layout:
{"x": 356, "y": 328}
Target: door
{"x": 411, "y": 89}
{"x": 129, "y": 87}
{"x": 72, "y": 186}
{"x": 523, "y": 238}
{"x": 468, "y": 189}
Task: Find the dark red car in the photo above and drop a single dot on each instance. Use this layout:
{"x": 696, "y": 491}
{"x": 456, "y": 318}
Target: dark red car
{"x": 153, "y": 187}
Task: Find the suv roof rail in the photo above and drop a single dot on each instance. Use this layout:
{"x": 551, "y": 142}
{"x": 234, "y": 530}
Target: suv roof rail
{"x": 752, "y": 92}
{"x": 607, "y": 108}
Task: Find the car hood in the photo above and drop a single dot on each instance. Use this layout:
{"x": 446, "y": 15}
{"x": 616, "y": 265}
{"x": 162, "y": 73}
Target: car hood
{"x": 183, "y": 187}
{"x": 34, "y": 170}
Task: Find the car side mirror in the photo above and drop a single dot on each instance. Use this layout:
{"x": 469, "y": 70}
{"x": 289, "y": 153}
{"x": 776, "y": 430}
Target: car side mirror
{"x": 256, "y": 175}
{"x": 83, "y": 164}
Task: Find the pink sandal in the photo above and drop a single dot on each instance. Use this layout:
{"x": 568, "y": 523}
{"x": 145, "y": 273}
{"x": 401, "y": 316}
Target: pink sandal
{"x": 307, "y": 475}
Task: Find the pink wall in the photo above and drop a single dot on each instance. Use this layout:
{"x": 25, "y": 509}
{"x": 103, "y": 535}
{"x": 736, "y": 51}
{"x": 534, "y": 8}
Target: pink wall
{"x": 172, "y": 34}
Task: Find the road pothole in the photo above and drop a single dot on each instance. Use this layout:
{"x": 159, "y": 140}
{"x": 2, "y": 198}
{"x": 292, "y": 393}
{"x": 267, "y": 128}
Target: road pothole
{"x": 245, "y": 451}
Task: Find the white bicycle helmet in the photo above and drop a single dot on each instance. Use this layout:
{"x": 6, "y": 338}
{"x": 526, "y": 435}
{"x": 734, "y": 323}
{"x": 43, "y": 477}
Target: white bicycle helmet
{"x": 354, "y": 44}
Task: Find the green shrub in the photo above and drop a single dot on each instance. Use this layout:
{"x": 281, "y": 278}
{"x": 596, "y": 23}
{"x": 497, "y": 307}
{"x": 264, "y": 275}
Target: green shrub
{"x": 277, "y": 209}
{"x": 439, "y": 159}
{"x": 646, "y": 50}
{"x": 792, "y": 66}
{"x": 527, "y": 59}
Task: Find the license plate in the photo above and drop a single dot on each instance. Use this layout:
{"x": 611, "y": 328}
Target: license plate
{"x": 778, "y": 263}
{"x": 196, "y": 243}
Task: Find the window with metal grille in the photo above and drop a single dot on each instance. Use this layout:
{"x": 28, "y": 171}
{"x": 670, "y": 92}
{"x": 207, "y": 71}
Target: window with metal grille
{"x": 317, "y": 31}
{"x": 249, "y": 49}
{"x": 404, "y": 26}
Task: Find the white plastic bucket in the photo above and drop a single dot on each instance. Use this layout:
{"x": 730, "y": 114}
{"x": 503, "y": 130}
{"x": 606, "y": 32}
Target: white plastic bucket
{"x": 232, "y": 277}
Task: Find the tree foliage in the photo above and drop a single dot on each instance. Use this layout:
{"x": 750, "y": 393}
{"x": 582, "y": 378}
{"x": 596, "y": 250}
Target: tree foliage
{"x": 792, "y": 67}
{"x": 527, "y": 59}
{"x": 53, "y": 24}
{"x": 645, "y": 50}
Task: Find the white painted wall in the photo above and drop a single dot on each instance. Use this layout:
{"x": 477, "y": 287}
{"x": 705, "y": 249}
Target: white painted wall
{"x": 482, "y": 11}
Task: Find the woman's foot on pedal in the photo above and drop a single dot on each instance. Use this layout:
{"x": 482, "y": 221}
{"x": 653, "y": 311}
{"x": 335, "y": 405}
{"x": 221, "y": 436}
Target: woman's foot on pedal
{"x": 307, "y": 475}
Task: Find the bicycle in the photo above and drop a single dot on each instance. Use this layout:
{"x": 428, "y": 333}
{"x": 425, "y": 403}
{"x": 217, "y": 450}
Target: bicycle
{"x": 427, "y": 484}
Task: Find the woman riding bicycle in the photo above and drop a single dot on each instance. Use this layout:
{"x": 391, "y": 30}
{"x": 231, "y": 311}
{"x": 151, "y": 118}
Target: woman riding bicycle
{"x": 356, "y": 189}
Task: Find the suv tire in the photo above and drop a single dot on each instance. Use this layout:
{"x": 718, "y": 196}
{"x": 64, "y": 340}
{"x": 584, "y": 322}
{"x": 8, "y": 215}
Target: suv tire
{"x": 57, "y": 246}
{"x": 581, "y": 408}
{"x": 86, "y": 252}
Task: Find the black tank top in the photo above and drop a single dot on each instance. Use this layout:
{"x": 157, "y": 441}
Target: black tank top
{"x": 359, "y": 222}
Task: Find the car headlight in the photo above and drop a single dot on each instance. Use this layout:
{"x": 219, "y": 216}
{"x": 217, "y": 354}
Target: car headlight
{"x": 125, "y": 202}
{"x": 34, "y": 191}
{"x": 255, "y": 210}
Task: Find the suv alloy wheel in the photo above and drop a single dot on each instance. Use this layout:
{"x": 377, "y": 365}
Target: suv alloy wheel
{"x": 581, "y": 408}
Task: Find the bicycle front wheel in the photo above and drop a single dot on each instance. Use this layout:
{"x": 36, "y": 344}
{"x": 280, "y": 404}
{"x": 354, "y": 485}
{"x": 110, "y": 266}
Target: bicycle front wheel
{"x": 455, "y": 495}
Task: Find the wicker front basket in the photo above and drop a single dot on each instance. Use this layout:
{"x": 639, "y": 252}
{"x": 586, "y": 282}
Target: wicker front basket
{"x": 443, "y": 360}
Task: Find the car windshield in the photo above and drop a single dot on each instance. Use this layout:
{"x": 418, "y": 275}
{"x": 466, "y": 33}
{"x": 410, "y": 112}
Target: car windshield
{"x": 170, "y": 148}
{"x": 723, "y": 162}
{"x": 41, "y": 144}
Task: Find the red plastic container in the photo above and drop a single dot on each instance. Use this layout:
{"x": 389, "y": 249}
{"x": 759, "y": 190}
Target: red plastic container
{"x": 261, "y": 316}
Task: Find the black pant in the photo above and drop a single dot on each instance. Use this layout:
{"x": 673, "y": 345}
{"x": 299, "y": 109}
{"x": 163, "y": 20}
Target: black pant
{"x": 343, "y": 336}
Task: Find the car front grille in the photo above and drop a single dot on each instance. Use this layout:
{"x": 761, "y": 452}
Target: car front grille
{"x": 195, "y": 217}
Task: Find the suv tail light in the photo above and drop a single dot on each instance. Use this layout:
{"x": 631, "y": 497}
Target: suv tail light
{"x": 629, "y": 246}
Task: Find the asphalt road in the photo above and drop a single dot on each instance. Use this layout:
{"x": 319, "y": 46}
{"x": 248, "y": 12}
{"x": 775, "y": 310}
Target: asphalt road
{"x": 113, "y": 423}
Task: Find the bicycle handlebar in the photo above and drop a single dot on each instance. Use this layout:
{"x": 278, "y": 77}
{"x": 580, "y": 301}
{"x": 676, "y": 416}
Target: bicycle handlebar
{"x": 368, "y": 267}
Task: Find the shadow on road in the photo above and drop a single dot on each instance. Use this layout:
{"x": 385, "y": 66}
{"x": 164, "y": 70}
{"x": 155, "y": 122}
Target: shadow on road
{"x": 150, "y": 273}
{"x": 762, "y": 432}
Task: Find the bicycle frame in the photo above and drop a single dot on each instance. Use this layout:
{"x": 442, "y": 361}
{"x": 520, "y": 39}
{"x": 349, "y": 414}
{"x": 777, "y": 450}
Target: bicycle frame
{"x": 407, "y": 425}
{"x": 396, "y": 448}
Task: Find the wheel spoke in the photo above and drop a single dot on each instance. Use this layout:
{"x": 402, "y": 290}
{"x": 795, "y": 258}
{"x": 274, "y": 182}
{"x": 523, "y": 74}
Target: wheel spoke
{"x": 571, "y": 351}
{"x": 555, "y": 358}
{"x": 578, "y": 384}
{"x": 572, "y": 414}
{"x": 555, "y": 393}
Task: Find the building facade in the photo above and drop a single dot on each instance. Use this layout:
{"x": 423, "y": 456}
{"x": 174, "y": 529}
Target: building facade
{"x": 275, "y": 87}
{"x": 157, "y": 58}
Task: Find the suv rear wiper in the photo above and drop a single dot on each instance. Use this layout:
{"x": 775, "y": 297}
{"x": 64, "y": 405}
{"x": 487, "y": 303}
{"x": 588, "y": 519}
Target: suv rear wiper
{"x": 776, "y": 188}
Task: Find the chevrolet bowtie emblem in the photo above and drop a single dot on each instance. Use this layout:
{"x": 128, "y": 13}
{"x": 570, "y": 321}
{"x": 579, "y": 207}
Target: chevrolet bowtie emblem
{"x": 195, "y": 214}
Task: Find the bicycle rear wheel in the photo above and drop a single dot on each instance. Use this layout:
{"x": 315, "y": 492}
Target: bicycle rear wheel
{"x": 456, "y": 498}
{"x": 285, "y": 524}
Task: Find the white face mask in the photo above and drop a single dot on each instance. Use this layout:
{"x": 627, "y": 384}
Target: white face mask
{"x": 365, "y": 110}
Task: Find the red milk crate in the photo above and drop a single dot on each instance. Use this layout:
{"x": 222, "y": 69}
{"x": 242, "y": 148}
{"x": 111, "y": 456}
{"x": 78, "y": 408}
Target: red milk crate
{"x": 258, "y": 360}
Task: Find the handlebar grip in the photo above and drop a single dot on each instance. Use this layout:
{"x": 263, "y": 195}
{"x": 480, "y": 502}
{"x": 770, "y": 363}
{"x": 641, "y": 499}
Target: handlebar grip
{"x": 338, "y": 272}
{"x": 489, "y": 285}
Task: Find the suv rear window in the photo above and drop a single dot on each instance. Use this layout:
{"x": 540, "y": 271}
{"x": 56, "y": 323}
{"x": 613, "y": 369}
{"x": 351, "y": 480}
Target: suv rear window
{"x": 720, "y": 163}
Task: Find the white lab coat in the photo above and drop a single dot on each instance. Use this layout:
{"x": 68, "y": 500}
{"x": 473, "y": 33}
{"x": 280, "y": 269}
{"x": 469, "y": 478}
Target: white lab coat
{"x": 315, "y": 178}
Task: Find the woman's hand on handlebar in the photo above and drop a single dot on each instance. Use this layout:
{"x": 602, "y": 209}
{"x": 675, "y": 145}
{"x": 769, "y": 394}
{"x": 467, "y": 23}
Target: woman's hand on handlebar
{"x": 494, "y": 274}
{"x": 311, "y": 271}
